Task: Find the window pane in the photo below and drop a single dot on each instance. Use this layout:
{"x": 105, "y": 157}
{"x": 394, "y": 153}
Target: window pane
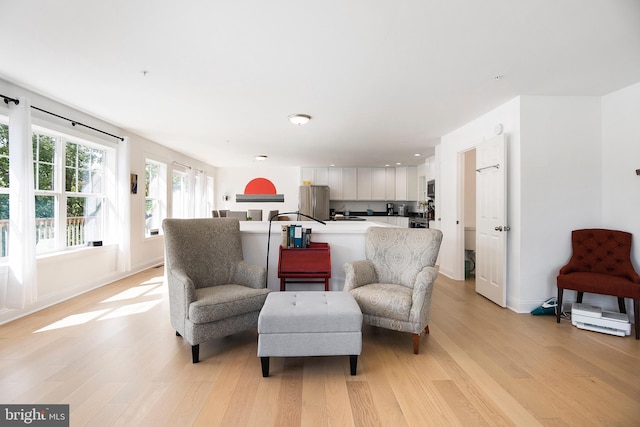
{"x": 71, "y": 153}
{"x": 96, "y": 181}
{"x": 70, "y": 179}
{"x": 84, "y": 220}
{"x": 45, "y": 223}
{"x": 43, "y": 157}
{"x": 179, "y": 198}
{"x": 4, "y": 172}
{"x": 4, "y": 140}
{"x": 46, "y": 149}
{"x": 4, "y": 224}
{"x": 84, "y": 157}
{"x": 45, "y": 177}
{"x": 152, "y": 184}
{"x": 97, "y": 157}
{"x": 4, "y": 156}
{"x": 152, "y": 216}
{"x": 84, "y": 181}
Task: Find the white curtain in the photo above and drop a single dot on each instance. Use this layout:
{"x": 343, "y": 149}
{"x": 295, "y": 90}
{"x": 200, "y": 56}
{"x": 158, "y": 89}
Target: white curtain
{"x": 22, "y": 275}
{"x": 124, "y": 204}
{"x": 200, "y": 193}
{"x": 190, "y": 195}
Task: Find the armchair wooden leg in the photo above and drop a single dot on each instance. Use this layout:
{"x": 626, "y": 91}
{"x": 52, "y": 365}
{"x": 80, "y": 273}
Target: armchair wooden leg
{"x": 416, "y": 343}
{"x": 353, "y": 363}
{"x": 559, "y": 306}
{"x": 426, "y": 329}
{"x": 636, "y": 313}
{"x": 195, "y": 353}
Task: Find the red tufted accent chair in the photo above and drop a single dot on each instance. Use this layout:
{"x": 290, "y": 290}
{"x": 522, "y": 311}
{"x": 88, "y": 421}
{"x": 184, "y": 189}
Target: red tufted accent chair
{"x": 601, "y": 264}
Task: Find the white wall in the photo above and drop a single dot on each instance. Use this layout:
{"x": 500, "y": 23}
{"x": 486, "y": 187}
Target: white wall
{"x": 450, "y": 152}
{"x": 560, "y": 188}
{"x": 66, "y": 274}
{"x": 149, "y": 251}
{"x": 620, "y": 159}
{"x": 554, "y": 186}
{"x": 233, "y": 181}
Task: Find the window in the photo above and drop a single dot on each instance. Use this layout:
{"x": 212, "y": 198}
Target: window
{"x": 4, "y": 188}
{"x": 84, "y": 170}
{"x": 69, "y": 193}
{"x": 180, "y": 195}
{"x": 210, "y": 195}
{"x": 155, "y": 196}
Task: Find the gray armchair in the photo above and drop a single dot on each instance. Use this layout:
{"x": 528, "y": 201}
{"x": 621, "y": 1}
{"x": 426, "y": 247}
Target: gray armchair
{"x": 213, "y": 292}
{"x": 393, "y": 286}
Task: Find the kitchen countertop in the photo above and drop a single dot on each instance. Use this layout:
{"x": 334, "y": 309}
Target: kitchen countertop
{"x": 364, "y": 213}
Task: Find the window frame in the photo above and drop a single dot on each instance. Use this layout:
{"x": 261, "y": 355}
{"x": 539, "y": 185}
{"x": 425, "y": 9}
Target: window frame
{"x": 184, "y": 193}
{"x": 161, "y": 198}
{"x": 4, "y": 253}
{"x": 62, "y": 195}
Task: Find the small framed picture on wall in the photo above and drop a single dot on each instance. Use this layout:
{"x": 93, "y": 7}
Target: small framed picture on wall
{"x": 134, "y": 183}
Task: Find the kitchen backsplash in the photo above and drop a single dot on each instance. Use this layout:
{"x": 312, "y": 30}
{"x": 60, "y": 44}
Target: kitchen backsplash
{"x": 362, "y": 206}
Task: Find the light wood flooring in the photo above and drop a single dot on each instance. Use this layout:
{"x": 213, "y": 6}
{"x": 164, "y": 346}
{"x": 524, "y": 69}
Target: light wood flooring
{"x": 112, "y": 355}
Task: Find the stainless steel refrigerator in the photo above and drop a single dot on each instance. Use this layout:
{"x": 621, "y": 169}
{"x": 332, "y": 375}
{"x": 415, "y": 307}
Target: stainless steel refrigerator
{"x": 314, "y": 201}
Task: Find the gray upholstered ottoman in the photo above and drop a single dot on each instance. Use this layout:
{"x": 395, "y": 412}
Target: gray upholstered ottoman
{"x": 311, "y": 323}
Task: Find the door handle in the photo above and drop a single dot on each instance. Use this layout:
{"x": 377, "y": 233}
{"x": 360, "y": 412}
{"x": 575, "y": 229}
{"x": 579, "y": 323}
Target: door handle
{"x": 498, "y": 228}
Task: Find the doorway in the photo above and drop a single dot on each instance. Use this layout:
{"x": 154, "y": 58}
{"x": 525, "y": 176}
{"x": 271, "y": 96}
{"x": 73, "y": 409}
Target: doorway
{"x": 469, "y": 214}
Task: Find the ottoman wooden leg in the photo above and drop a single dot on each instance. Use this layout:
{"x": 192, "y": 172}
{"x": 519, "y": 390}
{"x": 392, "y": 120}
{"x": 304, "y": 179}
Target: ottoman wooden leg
{"x": 265, "y": 366}
{"x": 353, "y": 362}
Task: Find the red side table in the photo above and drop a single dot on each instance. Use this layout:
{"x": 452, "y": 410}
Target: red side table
{"x": 305, "y": 265}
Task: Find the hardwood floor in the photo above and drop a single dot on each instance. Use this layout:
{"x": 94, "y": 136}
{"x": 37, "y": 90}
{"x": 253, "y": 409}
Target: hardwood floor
{"x": 112, "y": 355}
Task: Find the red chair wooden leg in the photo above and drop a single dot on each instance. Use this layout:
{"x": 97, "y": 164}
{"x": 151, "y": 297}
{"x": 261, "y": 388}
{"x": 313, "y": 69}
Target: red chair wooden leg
{"x": 636, "y": 313}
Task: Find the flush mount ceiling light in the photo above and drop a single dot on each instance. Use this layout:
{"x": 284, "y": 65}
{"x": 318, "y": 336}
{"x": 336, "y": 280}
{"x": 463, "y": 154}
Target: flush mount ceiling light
{"x": 260, "y": 157}
{"x": 299, "y": 119}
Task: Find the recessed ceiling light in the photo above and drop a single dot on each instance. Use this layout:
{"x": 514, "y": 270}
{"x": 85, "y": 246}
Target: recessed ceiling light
{"x": 299, "y": 119}
{"x": 260, "y": 157}
{"x": 398, "y": 163}
{"x": 417, "y": 155}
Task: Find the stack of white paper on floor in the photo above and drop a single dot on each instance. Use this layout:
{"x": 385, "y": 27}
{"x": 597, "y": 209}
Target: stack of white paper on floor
{"x": 593, "y": 318}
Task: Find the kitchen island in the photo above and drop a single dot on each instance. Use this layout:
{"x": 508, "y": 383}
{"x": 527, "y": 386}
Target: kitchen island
{"x": 346, "y": 240}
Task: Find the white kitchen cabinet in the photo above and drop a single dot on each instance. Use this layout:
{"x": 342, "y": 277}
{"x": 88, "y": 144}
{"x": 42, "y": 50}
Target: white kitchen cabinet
{"x": 349, "y": 184}
{"x": 399, "y": 221}
{"x": 406, "y": 183}
{"x": 390, "y": 184}
{"x": 317, "y": 176}
{"x": 364, "y": 184}
{"x": 335, "y": 183}
{"x": 379, "y": 184}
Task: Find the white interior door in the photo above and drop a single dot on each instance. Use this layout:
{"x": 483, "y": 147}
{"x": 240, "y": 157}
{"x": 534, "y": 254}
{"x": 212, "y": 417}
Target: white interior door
{"x": 491, "y": 220}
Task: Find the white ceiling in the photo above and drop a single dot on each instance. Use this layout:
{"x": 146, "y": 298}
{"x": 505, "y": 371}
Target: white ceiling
{"x": 382, "y": 79}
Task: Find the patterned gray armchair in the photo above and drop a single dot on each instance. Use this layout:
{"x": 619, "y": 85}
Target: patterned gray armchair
{"x": 213, "y": 292}
{"x": 393, "y": 286}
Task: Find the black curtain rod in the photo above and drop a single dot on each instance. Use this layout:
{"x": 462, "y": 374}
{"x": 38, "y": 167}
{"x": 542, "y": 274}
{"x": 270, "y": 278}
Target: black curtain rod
{"x": 8, "y": 99}
{"x": 73, "y": 123}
